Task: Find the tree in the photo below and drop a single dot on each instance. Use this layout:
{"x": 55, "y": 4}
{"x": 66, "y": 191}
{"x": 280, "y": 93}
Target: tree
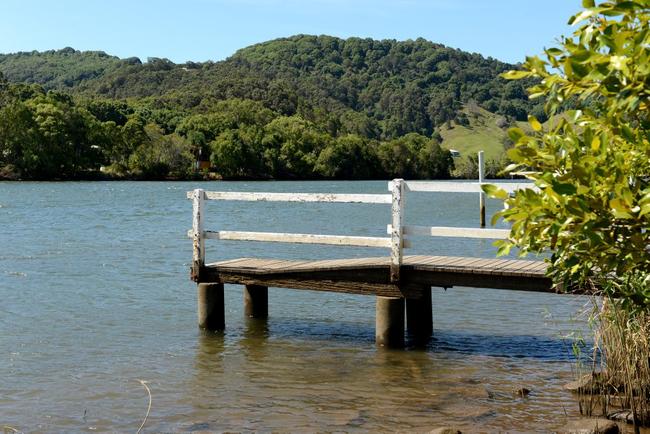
{"x": 160, "y": 155}
{"x": 291, "y": 147}
{"x": 237, "y": 153}
{"x": 592, "y": 169}
{"x": 348, "y": 157}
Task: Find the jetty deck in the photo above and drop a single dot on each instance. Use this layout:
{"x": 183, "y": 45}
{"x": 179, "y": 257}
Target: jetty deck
{"x": 371, "y": 276}
{"x": 400, "y": 283}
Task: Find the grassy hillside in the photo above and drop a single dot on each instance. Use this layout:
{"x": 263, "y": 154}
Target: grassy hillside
{"x": 484, "y": 132}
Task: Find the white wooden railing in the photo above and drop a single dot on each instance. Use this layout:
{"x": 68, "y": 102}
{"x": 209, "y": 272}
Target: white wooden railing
{"x": 398, "y": 231}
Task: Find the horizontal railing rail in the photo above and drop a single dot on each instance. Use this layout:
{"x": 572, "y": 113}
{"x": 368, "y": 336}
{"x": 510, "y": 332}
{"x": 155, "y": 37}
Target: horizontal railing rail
{"x": 399, "y": 232}
{"x": 296, "y": 197}
{"x": 452, "y": 232}
{"x": 462, "y": 187}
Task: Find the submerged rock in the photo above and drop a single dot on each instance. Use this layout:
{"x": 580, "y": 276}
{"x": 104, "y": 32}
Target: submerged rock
{"x": 591, "y": 426}
{"x": 522, "y": 392}
{"x": 589, "y": 384}
{"x": 621, "y": 416}
{"x": 445, "y": 430}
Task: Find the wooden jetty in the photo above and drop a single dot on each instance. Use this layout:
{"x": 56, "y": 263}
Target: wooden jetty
{"x": 401, "y": 283}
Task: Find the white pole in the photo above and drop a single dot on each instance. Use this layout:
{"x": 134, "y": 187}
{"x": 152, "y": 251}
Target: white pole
{"x": 198, "y": 242}
{"x": 397, "y": 244}
{"x": 481, "y": 179}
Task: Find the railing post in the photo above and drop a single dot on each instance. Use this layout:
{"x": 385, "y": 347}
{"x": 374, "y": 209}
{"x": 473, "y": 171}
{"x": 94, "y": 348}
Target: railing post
{"x": 481, "y": 179}
{"x": 198, "y": 242}
{"x": 397, "y": 244}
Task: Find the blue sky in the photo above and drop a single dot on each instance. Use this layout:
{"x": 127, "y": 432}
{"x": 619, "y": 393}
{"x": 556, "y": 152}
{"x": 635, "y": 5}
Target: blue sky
{"x": 201, "y": 30}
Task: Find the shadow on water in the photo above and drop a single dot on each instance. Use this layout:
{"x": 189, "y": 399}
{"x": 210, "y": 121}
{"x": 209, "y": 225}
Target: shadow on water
{"x": 257, "y": 332}
{"x": 518, "y": 346}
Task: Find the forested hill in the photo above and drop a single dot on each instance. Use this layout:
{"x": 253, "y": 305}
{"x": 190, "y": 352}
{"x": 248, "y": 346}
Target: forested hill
{"x": 292, "y": 108}
{"x": 378, "y": 89}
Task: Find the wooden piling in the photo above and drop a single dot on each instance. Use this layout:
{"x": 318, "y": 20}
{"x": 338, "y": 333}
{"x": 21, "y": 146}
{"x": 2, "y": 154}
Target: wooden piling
{"x": 389, "y": 322}
{"x": 419, "y": 316}
{"x": 211, "y": 308}
{"x": 256, "y": 301}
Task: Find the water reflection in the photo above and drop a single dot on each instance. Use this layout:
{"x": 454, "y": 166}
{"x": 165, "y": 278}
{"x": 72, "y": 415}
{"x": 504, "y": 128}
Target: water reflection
{"x": 254, "y": 339}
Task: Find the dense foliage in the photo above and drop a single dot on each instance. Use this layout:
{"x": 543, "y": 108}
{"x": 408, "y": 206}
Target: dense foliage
{"x": 592, "y": 168}
{"x": 50, "y": 135}
{"x": 304, "y": 106}
{"x": 376, "y": 89}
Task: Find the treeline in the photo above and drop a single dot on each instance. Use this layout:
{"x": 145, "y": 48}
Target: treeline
{"x": 50, "y": 135}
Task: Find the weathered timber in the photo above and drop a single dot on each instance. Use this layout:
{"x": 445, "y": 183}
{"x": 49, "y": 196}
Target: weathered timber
{"x": 256, "y": 301}
{"x": 419, "y": 316}
{"x": 443, "y": 231}
{"x": 198, "y": 242}
{"x": 211, "y": 308}
{"x": 296, "y": 197}
{"x": 277, "y": 237}
{"x": 372, "y": 275}
{"x": 396, "y": 234}
{"x": 389, "y": 322}
{"x": 462, "y": 187}
{"x": 404, "y": 290}
{"x": 481, "y": 196}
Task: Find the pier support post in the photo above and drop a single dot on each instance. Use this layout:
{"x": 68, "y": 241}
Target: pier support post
{"x": 256, "y": 301}
{"x": 389, "y": 322}
{"x": 419, "y": 316}
{"x": 211, "y": 308}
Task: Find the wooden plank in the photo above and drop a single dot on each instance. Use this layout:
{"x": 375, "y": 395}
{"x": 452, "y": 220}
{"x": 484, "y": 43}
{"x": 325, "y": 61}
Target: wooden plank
{"x": 455, "y": 232}
{"x": 516, "y": 266}
{"x": 462, "y": 266}
{"x": 462, "y": 187}
{"x": 511, "y": 267}
{"x": 349, "y": 287}
{"x": 370, "y": 272}
{"x": 432, "y": 260}
{"x": 338, "y": 264}
{"x": 495, "y": 266}
{"x": 251, "y": 265}
{"x": 229, "y": 261}
{"x": 452, "y": 232}
{"x": 287, "y": 265}
{"x": 484, "y": 265}
{"x": 275, "y": 237}
{"x": 297, "y": 197}
{"x": 449, "y": 261}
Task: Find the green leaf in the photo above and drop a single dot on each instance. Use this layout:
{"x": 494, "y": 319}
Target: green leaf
{"x": 565, "y": 189}
{"x": 620, "y": 208}
{"x": 581, "y": 16}
{"x": 515, "y": 75}
{"x": 495, "y": 192}
{"x": 515, "y": 134}
{"x": 553, "y": 51}
{"x": 595, "y": 144}
{"x": 534, "y": 123}
{"x": 588, "y": 4}
{"x": 627, "y": 133}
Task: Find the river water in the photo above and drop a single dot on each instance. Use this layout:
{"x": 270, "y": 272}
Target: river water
{"x": 95, "y": 296}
